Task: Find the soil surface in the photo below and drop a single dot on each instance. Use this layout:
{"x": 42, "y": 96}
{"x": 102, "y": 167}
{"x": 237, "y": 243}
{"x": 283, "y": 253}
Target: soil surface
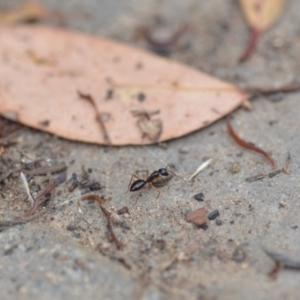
{"x": 66, "y": 254}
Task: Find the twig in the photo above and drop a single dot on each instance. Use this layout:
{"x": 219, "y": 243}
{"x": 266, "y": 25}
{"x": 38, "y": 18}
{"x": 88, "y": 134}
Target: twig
{"x": 256, "y": 177}
{"x": 24, "y": 220}
{"x": 247, "y": 145}
{"x": 45, "y": 170}
{"x": 200, "y": 168}
{"x": 284, "y": 169}
{"x": 262, "y": 176}
{"x": 98, "y": 115}
{"x": 25, "y": 183}
{"x": 111, "y": 236}
{"x": 37, "y": 171}
{"x": 274, "y": 272}
{"x": 251, "y": 45}
{"x": 61, "y": 178}
{"x": 290, "y": 88}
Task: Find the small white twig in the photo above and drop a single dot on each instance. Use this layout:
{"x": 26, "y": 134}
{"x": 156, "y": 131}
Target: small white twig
{"x": 200, "y": 168}
{"x": 25, "y": 183}
{"x": 79, "y": 206}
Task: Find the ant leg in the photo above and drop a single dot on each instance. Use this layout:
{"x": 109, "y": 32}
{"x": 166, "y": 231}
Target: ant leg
{"x": 139, "y": 195}
{"x": 155, "y": 189}
{"x": 177, "y": 176}
{"x": 144, "y": 171}
{"x": 133, "y": 176}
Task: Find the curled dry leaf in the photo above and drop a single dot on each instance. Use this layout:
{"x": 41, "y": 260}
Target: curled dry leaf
{"x": 42, "y": 68}
{"x": 259, "y": 14}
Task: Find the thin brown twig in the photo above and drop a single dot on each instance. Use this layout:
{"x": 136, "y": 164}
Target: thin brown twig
{"x": 112, "y": 237}
{"x": 90, "y": 99}
{"x": 290, "y": 88}
{"x": 247, "y": 145}
{"x": 61, "y": 178}
{"x": 45, "y": 170}
{"x": 23, "y": 220}
{"x": 274, "y": 272}
{"x": 254, "y": 35}
{"x": 37, "y": 171}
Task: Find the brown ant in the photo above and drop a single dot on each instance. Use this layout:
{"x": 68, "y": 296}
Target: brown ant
{"x": 139, "y": 184}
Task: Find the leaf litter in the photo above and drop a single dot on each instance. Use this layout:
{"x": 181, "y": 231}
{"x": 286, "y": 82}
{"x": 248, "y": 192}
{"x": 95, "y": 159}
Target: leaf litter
{"x": 260, "y": 15}
{"x": 144, "y": 115}
{"x": 134, "y": 80}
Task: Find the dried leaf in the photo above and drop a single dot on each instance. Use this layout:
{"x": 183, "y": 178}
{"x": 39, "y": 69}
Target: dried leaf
{"x": 42, "y": 68}
{"x": 261, "y": 14}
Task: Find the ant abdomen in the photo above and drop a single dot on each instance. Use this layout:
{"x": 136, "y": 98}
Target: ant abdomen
{"x": 137, "y": 185}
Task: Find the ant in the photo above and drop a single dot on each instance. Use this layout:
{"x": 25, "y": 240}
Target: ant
{"x": 139, "y": 184}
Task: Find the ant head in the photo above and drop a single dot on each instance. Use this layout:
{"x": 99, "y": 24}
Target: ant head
{"x": 163, "y": 172}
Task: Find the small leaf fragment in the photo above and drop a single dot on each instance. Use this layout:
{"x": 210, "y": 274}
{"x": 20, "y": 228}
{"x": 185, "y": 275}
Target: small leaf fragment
{"x": 260, "y": 15}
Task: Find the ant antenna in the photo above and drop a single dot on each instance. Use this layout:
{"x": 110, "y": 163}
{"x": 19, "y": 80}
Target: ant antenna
{"x": 165, "y": 164}
{"x": 177, "y": 175}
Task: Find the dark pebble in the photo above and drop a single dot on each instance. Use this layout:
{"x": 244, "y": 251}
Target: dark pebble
{"x": 141, "y": 97}
{"x": 95, "y": 186}
{"x": 238, "y": 255}
{"x": 214, "y": 214}
{"x": 219, "y": 222}
{"x": 199, "y": 197}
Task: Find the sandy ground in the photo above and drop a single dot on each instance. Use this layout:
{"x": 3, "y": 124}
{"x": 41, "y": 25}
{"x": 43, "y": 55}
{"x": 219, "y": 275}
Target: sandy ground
{"x": 66, "y": 254}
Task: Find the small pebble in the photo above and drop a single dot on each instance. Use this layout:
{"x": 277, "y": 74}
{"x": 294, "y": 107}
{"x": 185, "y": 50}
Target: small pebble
{"x": 219, "y": 222}
{"x": 238, "y": 255}
{"x": 116, "y": 219}
{"x": 235, "y": 168}
{"x": 183, "y": 150}
{"x": 214, "y": 214}
{"x": 94, "y": 186}
{"x": 199, "y": 197}
{"x": 275, "y": 97}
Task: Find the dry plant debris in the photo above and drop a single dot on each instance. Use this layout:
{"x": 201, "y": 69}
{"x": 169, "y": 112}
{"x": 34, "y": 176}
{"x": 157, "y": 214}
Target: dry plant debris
{"x": 111, "y": 235}
{"x": 248, "y": 145}
{"x": 32, "y": 214}
{"x": 121, "y": 79}
{"x": 260, "y": 15}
